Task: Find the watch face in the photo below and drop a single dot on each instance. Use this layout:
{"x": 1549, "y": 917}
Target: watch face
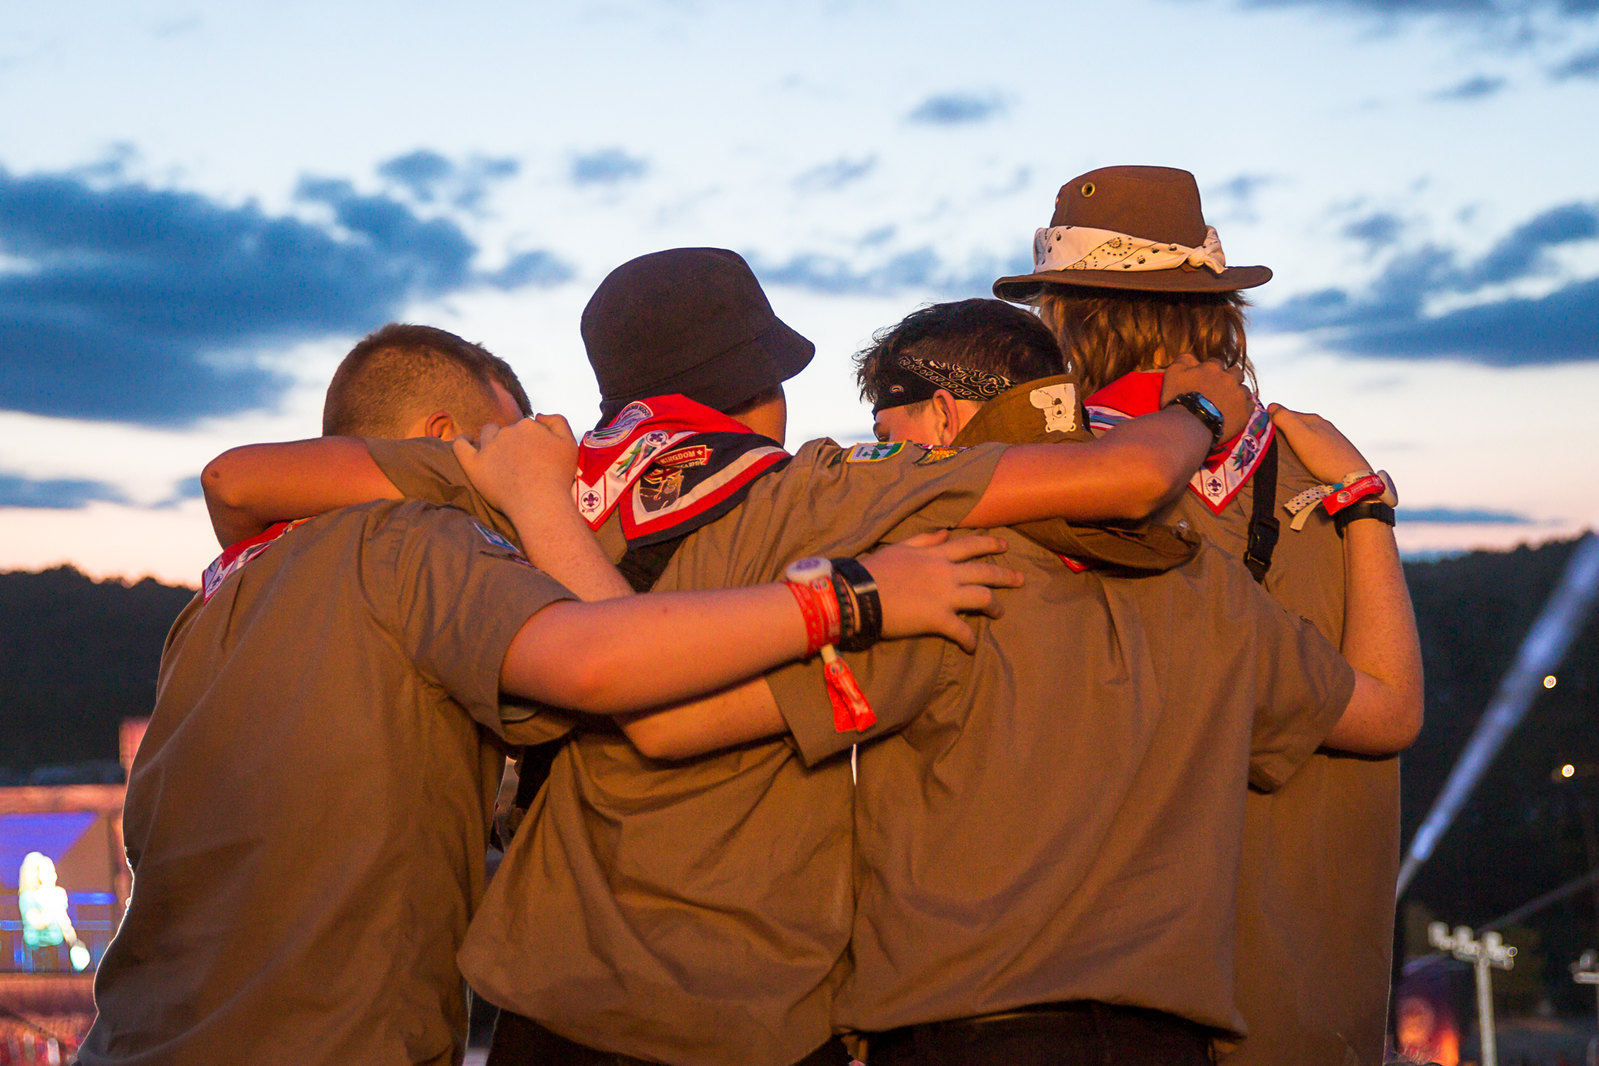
{"x": 1210, "y": 408}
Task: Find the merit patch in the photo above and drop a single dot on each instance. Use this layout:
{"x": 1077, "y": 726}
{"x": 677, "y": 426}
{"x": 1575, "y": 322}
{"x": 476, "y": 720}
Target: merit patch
{"x": 1058, "y": 402}
{"x": 937, "y": 453}
{"x": 874, "y": 453}
{"x": 499, "y": 541}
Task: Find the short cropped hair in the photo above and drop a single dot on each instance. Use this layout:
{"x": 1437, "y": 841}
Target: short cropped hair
{"x": 1106, "y": 333}
{"x": 404, "y": 372}
{"x": 986, "y": 335}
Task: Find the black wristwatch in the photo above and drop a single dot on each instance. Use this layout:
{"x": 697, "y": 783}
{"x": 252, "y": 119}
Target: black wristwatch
{"x": 1367, "y": 508}
{"x": 1201, "y": 408}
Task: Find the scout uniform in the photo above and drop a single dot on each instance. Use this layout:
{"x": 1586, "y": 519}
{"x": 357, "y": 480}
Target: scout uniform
{"x": 1321, "y": 853}
{"x": 306, "y": 819}
{"x": 1061, "y": 822}
{"x": 699, "y": 912}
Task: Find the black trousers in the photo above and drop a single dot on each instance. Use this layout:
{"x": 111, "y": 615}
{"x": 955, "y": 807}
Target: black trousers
{"x": 520, "y": 1041}
{"x": 1081, "y": 1033}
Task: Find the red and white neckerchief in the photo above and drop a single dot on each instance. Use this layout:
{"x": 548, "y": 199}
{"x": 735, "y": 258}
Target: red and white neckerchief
{"x": 1224, "y": 471}
{"x": 236, "y": 555}
{"x": 665, "y": 462}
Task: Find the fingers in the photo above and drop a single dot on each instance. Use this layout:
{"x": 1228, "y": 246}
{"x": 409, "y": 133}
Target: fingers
{"x": 557, "y": 425}
{"x": 958, "y": 551}
{"x": 927, "y": 540}
{"x": 487, "y": 434}
{"x": 988, "y": 575}
{"x": 961, "y": 633}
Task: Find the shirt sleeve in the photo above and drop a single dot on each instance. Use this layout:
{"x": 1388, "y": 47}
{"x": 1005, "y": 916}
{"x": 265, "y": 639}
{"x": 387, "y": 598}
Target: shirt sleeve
{"x": 425, "y": 468}
{"x": 461, "y": 593}
{"x": 898, "y": 678}
{"x": 1303, "y": 685}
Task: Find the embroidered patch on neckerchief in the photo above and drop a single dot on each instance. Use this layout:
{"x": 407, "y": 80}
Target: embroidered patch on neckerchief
{"x": 668, "y": 465}
{"x": 1225, "y": 470}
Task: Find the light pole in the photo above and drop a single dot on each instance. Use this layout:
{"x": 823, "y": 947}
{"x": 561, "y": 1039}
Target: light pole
{"x": 1585, "y": 971}
{"x": 1488, "y": 952}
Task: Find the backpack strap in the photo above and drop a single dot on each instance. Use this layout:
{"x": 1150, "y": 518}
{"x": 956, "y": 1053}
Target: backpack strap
{"x": 1263, "y": 526}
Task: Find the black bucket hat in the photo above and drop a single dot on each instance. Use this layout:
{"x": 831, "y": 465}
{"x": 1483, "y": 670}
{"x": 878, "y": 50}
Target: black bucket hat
{"x": 687, "y": 320}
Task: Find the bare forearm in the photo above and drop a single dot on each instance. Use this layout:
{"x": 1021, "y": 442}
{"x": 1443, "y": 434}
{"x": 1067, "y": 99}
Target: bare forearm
{"x": 1128, "y": 474}
{"x": 640, "y": 652}
{"x": 557, "y": 540}
{"x": 1381, "y": 643}
{"x": 249, "y": 488}
{"x": 736, "y": 716}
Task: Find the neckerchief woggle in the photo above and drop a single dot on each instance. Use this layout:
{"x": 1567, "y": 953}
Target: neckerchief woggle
{"x": 668, "y": 465}
{"x": 234, "y": 556}
{"x": 1224, "y": 470}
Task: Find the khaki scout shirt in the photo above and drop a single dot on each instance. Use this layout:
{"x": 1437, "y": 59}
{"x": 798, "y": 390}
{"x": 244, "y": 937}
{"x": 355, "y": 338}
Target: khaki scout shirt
{"x": 1063, "y": 819}
{"x": 1321, "y": 853}
{"x": 698, "y": 912}
{"x": 306, "y": 817}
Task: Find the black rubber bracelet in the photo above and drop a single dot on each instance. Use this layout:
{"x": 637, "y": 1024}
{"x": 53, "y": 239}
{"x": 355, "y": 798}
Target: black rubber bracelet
{"x": 1364, "y": 509}
{"x": 868, "y": 605}
{"x": 848, "y": 616}
{"x": 1209, "y": 415}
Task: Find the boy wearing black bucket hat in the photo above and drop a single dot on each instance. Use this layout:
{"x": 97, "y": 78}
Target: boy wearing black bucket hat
{"x": 1127, "y": 274}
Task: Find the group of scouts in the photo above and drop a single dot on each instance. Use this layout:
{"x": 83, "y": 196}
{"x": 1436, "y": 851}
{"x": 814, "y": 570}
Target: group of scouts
{"x": 1113, "y": 784}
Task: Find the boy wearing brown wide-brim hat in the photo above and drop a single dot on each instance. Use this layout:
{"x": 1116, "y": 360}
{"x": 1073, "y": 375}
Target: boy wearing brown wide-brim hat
{"x": 1127, "y": 275}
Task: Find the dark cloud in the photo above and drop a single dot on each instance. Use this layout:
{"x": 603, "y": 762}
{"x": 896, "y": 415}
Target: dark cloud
{"x": 1522, "y": 252}
{"x": 1474, "y": 88}
{"x": 63, "y": 495}
{"x": 919, "y": 271}
{"x": 144, "y": 305}
{"x": 607, "y": 167}
{"x": 1581, "y": 65}
{"x": 1379, "y": 228}
{"x": 835, "y": 175}
{"x": 1464, "y": 516}
{"x": 1390, "y": 319}
{"x": 955, "y": 109}
{"x": 430, "y": 177}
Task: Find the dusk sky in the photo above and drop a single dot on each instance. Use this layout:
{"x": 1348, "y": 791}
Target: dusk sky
{"x": 203, "y": 207}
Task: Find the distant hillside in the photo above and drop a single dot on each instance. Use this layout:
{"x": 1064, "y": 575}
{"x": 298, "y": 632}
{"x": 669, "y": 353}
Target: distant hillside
{"x": 76, "y": 657}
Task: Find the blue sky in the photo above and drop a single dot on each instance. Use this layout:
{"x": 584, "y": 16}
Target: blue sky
{"x": 201, "y": 209}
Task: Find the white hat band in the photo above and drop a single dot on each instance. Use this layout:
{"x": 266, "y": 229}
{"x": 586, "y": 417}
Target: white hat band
{"x": 1085, "y": 248}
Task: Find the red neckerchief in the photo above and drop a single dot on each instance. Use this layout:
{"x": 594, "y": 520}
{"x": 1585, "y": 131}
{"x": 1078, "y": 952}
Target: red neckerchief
{"x": 669, "y": 465}
{"x": 1225, "y": 470}
{"x": 235, "y": 556}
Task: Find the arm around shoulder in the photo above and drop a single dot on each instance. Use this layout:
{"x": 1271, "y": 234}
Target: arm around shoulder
{"x": 250, "y": 487}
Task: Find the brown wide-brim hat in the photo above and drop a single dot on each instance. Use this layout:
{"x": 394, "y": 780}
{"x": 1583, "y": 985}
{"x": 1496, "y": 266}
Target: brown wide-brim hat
{"x": 687, "y": 320}
{"x": 1157, "y": 204}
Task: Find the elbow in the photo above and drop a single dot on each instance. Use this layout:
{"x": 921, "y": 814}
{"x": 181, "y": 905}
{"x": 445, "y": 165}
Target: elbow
{"x": 1408, "y": 721}
{"x": 588, "y": 682}
{"x": 219, "y": 484}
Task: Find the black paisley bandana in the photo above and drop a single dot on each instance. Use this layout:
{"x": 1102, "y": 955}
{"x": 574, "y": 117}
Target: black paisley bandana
{"x": 913, "y": 379}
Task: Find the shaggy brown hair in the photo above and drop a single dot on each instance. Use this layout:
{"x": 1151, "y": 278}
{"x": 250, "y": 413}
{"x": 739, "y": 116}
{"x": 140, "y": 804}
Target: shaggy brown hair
{"x": 1106, "y": 333}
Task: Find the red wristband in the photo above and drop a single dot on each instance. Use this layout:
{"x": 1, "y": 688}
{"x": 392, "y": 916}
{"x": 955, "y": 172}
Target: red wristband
{"x": 1354, "y": 492}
